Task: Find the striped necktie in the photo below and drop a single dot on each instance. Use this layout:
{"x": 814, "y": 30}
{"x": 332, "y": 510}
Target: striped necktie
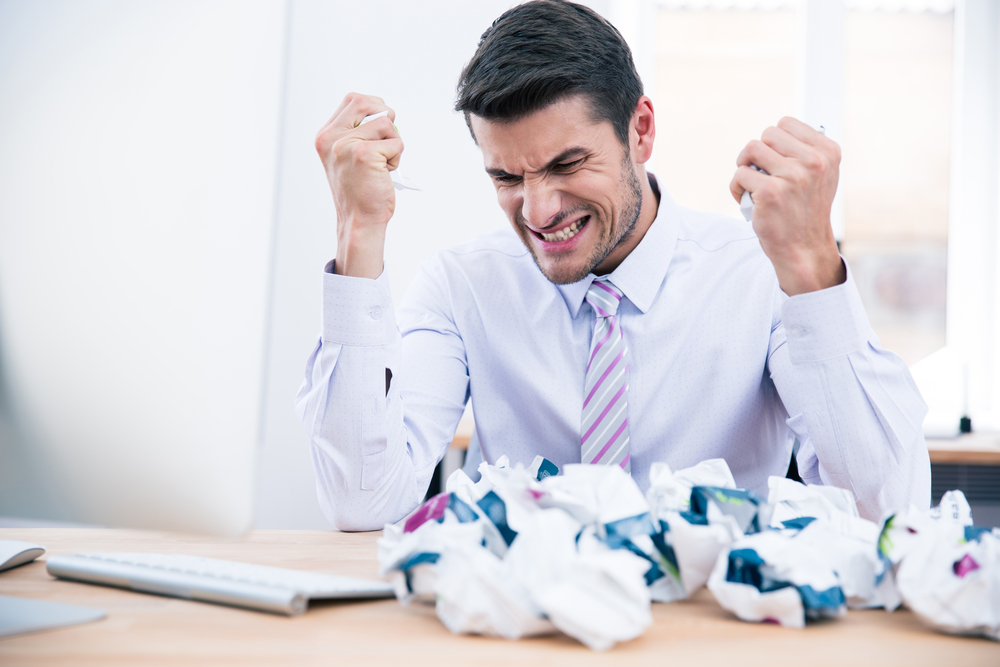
{"x": 604, "y": 429}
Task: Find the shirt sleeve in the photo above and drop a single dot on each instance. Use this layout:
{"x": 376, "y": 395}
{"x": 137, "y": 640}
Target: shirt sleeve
{"x": 854, "y": 407}
{"x": 374, "y": 448}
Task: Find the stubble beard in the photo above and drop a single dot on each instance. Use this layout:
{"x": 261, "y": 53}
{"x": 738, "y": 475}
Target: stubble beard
{"x": 631, "y": 208}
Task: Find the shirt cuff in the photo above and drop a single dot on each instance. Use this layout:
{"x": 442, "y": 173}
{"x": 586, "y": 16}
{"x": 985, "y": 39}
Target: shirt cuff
{"x": 827, "y": 323}
{"x": 357, "y": 311}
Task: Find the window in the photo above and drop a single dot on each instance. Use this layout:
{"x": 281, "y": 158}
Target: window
{"x": 721, "y": 78}
{"x": 897, "y": 158}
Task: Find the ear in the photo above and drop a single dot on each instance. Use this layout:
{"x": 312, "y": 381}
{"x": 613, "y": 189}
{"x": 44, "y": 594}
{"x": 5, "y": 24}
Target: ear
{"x": 642, "y": 131}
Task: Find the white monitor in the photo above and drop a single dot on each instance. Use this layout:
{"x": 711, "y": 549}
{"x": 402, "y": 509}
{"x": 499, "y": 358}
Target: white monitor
{"x": 137, "y": 185}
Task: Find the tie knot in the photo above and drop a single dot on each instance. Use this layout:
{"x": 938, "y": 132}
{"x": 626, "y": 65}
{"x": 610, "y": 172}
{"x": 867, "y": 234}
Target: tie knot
{"x": 604, "y": 298}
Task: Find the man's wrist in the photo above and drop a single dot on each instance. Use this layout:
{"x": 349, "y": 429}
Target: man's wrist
{"x": 811, "y": 274}
{"x": 360, "y": 252}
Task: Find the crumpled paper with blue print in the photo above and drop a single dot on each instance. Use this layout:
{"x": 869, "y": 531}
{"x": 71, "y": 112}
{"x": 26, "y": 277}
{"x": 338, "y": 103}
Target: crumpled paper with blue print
{"x": 807, "y": 567}
{"x": 848, "y": 541}
{"x": 811, "y": 556}
{"x": 524, "y": 552}
{"x": 699, "y": 513}
{"x": 771, "y": 577}
{"x": 533, "y": 551}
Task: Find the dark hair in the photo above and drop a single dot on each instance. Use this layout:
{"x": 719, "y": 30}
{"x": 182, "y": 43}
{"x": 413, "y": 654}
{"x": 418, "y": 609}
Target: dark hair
{"x": 540, "y": 52}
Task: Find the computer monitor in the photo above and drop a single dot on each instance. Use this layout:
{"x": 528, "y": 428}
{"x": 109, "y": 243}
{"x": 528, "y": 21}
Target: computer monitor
{"x": 135, "y": 259}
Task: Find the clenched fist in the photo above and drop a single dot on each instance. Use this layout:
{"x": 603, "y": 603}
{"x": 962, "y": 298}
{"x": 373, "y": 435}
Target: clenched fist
{"x": 357, "y": 159}
{"x": 792, "y": 203}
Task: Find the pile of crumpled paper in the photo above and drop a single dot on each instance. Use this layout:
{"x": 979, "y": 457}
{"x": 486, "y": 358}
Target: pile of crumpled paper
{"x": 530, "y": 551}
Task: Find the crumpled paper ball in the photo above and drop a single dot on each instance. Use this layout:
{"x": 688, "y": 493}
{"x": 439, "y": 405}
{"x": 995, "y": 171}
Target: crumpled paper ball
{"x": 901, "y": 531}
{"x": 943, "y": 568}
{"x": 808, "y": 555}
{"x": 688, "y": 539}
{"x": 848, "y": 541}
{"x": 772, "y": 577}
{"x": 952, "y": 580}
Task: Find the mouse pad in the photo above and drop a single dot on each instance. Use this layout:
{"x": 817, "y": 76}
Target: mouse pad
{"x": 18, "y": 615}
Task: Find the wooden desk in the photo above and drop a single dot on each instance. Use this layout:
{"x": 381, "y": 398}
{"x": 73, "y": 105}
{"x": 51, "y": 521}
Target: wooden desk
{"x": 970, "y": 449}
{"x": 146, "y": 629}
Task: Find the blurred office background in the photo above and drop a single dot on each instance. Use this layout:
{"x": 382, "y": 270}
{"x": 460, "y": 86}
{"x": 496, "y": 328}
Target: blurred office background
{"x": 164, "y": 219}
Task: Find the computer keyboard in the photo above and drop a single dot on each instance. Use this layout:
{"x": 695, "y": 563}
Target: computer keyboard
{"x": 258, "y": 587}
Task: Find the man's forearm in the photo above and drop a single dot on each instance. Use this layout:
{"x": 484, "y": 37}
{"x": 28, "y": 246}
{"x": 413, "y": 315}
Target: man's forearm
{"x": 861, "y": 420}
{"x": 853, "y": 405}
{"x": 364, "y": 476}
{"x": 360, "y": 251}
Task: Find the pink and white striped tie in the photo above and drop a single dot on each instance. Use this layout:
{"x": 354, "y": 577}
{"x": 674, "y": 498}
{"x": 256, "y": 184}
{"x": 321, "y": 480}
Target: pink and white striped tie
{"x": 604, "y": 428}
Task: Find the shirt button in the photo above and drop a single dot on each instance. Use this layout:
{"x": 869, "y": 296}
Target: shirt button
{"x": 797, "y": 332}
{"x": 376, "y": 313}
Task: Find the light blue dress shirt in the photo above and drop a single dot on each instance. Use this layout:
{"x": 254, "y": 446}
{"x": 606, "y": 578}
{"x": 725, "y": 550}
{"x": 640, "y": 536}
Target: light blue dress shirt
{"x": 722, "y": 364}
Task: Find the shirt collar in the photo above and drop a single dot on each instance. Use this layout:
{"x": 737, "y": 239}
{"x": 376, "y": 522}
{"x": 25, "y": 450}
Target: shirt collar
{"x": 641, "y": 274}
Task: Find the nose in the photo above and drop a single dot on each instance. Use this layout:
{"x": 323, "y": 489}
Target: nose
{"x": 541, "y": 203}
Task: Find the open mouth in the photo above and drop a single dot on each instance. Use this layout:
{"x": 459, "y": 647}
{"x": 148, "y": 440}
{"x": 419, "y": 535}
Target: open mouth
{"x": 566, "y": 233}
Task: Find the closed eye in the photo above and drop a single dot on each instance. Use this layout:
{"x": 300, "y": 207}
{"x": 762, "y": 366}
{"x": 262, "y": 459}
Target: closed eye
{"x": 568, "y": 166}
{"x": 502, "y": 177}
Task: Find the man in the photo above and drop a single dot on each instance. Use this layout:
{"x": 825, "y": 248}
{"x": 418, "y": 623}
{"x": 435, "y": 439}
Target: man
{"x": 612, "y": 327}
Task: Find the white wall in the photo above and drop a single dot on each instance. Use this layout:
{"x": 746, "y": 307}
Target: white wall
{"x": 137, "y": 170}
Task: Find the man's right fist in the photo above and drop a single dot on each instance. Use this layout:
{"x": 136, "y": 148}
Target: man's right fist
{"x": 357, "y": 159}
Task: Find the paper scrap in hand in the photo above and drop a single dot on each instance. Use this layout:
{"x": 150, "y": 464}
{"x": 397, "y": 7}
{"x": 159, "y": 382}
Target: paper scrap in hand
{"x": 399, "y": 181}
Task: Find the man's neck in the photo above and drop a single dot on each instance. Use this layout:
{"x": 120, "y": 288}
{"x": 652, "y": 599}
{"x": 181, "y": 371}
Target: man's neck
{"x": 655, "y": 187}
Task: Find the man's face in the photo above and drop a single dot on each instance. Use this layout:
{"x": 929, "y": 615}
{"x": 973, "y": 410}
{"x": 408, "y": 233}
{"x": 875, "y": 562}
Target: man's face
{"x": 567, "y": 185}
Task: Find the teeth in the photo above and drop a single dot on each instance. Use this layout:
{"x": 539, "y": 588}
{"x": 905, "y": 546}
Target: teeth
{"x": 563, "y": 234}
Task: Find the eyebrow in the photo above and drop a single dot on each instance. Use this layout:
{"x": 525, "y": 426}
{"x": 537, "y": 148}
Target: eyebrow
{"x": 569, "y": 154}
